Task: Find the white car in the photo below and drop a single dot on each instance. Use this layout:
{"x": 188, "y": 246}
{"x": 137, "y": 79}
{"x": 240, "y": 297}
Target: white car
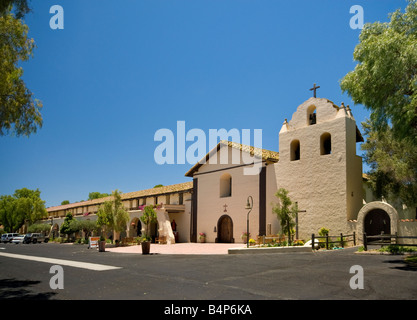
{"x": 8, "y": 237}
{"x": 18, "y": 239}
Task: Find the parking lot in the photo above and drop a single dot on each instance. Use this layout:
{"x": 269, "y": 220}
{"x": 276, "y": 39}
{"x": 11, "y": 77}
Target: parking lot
{"x": 164, "y": 276}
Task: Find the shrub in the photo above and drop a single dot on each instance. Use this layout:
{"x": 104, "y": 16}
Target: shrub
{"x": 396, "y": 249}
{"x": 39, "y": 228}
{"x": 298, "y": 243}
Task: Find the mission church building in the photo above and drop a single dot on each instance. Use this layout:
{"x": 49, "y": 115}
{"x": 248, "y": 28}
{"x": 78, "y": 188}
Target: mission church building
{"x": 317, "y": 163}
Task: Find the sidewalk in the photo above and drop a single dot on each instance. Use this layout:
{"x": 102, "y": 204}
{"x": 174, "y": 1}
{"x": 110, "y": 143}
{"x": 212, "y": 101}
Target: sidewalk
{"x": 181, "y": 248}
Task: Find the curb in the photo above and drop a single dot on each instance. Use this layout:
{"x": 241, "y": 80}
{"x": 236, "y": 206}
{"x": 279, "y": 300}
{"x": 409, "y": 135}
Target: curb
{"x": 269, "y": 250}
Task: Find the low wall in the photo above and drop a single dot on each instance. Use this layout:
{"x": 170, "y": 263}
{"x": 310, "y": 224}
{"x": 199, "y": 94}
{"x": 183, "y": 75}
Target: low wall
{"x": 407, "y": 228}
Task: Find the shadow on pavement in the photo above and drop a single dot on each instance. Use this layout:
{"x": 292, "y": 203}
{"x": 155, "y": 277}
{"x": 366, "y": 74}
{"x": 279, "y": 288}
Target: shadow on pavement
{"x": 18, "y": 289}
{"x": 405, "y": 266}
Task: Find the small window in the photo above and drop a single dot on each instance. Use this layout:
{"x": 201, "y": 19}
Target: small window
{"x": 325, "y": 143}
{"x": 295, "y": 150}
{"x": 225, "y": 185}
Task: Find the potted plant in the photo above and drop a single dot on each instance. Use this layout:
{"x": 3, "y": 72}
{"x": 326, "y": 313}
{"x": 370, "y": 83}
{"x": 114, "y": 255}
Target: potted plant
{"x": 102, "y": 244}
{"x": 245, "y": 237}
{"x": 202, "y": 237}
{"x": 148, "y": 216}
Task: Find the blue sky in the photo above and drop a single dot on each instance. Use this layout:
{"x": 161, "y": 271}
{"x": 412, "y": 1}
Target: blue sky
{"x": 121, "y": 70}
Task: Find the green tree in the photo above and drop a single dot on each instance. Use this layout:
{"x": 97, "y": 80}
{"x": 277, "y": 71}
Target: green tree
{"x": 30, "y": 205}
{"x": 9, "y": 217}
{"x": 97, "y": 195}
{"x": 19, "y": 111}
{"x": 385, "y": 82}
{"x": 21, "y": 7}
{"x": 23, "y": 205}
{"x": 67, "y": 226}
{"x": 285, "y": 211}
{"x": 385, "y": 78}
{"x": 65, "y": 202}
{"x": 40, "y": 228}
{"x": 393, "y": 164}
{"x": 112, "y": 215}
{"x": 148, "y": 216}
{"x": 88, "y": 227}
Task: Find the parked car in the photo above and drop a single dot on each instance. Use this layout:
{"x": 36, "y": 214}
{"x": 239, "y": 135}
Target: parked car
{"x": 19, "y": 238}
{"x": 8, "y": 237}
{"x": 35, "y": 238}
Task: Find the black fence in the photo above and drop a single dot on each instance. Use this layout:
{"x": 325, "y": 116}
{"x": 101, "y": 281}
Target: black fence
{"x": 385, "y": 240}
{"x": 342, "y": 239}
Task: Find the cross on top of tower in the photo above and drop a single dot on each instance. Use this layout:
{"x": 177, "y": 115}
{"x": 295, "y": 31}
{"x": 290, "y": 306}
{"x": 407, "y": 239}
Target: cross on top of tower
{"x": 314, "y": 89}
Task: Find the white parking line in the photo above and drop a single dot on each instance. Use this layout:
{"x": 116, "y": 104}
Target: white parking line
{"x": 70, "y": 263}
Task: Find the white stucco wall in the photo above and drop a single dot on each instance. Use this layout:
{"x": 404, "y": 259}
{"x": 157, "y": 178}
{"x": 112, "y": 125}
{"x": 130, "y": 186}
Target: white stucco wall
{"x": 211, "y": 204}
{"x": 328, "y": 186}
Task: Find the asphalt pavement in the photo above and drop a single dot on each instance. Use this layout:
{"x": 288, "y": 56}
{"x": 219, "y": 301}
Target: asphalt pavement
{"x": 204, "y": 277}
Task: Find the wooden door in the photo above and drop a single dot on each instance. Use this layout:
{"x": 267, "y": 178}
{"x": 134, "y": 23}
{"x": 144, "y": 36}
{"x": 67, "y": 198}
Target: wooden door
{"x": 377, "y": 221}
{"x": 225, "y": 230}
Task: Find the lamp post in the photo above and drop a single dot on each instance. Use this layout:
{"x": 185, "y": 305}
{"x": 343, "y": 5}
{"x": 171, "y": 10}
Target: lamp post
{"x": 249, "y": 206}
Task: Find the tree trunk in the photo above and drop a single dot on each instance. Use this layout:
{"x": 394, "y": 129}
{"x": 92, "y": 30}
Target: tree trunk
{"x": 289, "y": 232}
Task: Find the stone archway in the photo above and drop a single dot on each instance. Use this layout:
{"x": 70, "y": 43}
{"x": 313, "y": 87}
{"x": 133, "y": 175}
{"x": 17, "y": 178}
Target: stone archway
{"x": 377, "y": 216}
{"x": 225, "y": 230}
{"x": 135, "y": 228}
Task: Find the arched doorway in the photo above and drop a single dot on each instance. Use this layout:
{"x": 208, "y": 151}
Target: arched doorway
{"x": 135, "y": 229}
{"x": 54, "y": 231}
{"x": 378, "y": 212}
{"x": 377, "y": 221}
{"x": 225, "y": 230}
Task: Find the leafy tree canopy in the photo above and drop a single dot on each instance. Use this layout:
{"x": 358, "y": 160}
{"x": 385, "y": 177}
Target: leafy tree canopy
{"x": 97, "y": 195}
{"x": 385, "y": 82}
{"x": 19, "y": 111}
{"x": 393, "y": 164}
{"x": 149, "y": 216}
{"x": 21, "y": 7}
{"x": 68, "y": 226}
{"x": 112, "y": 214}
{"x": 23, "y": 205}
{"x": 385, "y": 78}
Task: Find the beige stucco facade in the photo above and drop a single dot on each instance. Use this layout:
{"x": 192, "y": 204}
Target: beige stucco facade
{"x": 213, "y": 203}
{"x": 325, "y": 183}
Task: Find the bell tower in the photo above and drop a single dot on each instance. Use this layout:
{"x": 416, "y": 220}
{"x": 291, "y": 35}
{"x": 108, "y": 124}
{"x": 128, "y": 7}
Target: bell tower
{"x": 319, "y": 167}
